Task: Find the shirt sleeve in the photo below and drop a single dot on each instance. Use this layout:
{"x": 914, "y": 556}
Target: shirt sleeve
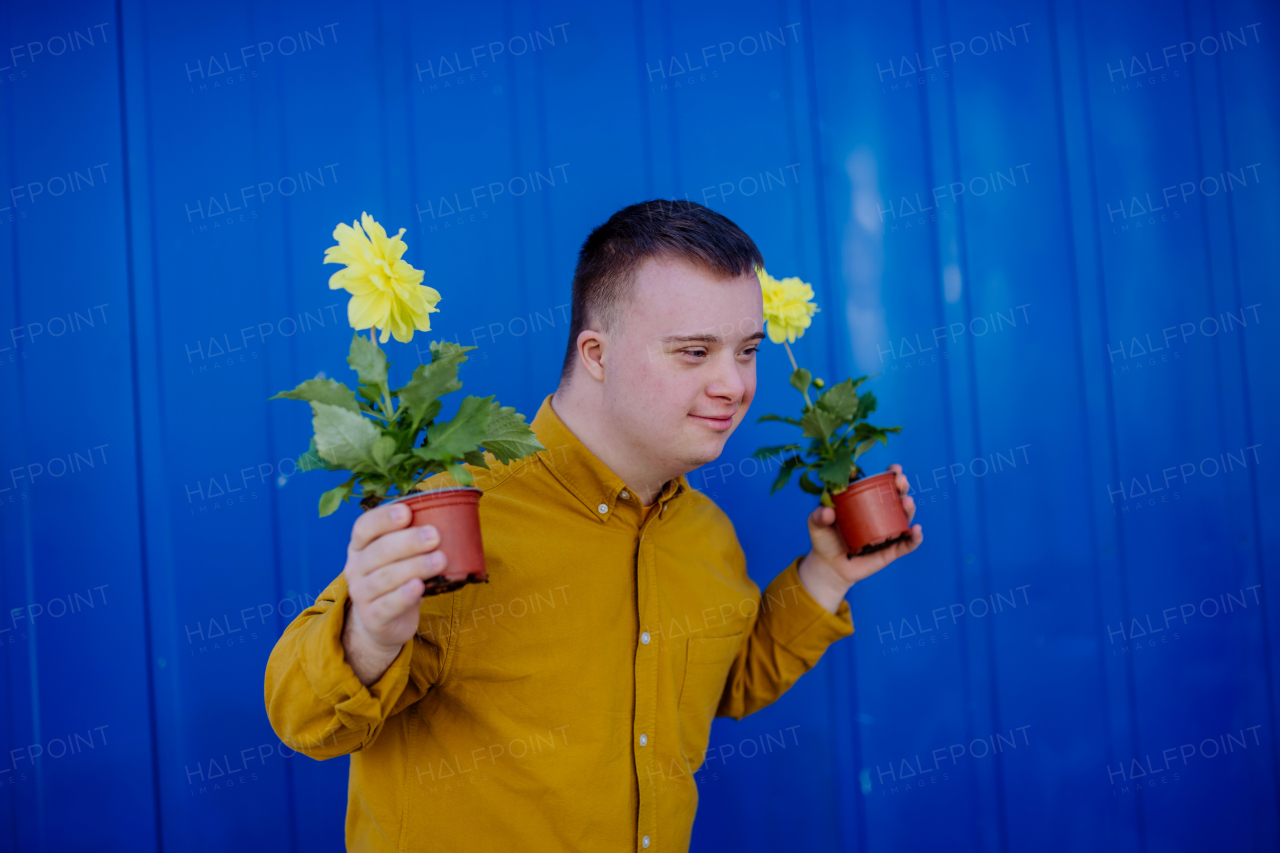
{"x": 315, "y": 702}
{"x": 790, "y": 633}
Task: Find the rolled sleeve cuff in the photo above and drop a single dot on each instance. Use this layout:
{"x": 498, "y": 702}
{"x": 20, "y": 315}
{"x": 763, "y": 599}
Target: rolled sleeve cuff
{"x": 799, "y": 623}
{"x": 324, "y": 661}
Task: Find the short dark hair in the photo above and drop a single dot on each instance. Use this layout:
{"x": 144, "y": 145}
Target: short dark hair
{"x": 611, "y": 256}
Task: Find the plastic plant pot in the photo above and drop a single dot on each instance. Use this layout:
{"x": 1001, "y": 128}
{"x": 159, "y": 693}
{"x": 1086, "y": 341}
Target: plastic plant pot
{"x": 455, "y": 512}
{"x": 870, "y": 516}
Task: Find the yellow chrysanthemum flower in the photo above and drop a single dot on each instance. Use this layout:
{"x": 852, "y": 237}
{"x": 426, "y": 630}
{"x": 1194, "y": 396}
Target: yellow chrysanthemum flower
{"x": 386, "y": 292}
{"x": 787, "y": 306}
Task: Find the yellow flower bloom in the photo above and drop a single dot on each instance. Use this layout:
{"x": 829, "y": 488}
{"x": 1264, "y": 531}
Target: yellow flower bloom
{"x": 386, "y": 292}
{"x": 787, "y": 306}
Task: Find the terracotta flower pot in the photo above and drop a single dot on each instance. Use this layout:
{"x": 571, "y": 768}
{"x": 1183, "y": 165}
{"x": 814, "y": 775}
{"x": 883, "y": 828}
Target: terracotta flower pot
{"x": 455, "y": 512}
{"x": 869, "y": 514}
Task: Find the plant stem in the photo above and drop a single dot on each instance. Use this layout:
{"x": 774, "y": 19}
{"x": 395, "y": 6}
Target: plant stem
{"x": 790, "y": 356}
{"x": 795, "y": 367}
{"x": 387, "y": 412}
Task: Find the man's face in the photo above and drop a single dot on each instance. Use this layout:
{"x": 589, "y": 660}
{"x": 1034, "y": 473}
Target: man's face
{"x": 680, "y": 365}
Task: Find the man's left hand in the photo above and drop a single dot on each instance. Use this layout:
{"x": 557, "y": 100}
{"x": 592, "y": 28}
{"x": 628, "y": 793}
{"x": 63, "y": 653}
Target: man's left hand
{"x": 828, "y": 573}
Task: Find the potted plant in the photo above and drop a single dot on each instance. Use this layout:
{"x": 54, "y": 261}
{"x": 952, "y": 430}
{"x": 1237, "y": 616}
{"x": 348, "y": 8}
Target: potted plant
{"x": 393, "y": 438}
{"x": 869, "y": 510}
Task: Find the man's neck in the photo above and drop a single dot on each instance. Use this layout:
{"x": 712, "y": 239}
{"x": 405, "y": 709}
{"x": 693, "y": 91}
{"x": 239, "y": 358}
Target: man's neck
{"x": 584, "y": 420}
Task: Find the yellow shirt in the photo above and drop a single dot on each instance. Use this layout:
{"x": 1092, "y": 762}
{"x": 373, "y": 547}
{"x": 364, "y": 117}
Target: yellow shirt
{"x": 566, "y": 704}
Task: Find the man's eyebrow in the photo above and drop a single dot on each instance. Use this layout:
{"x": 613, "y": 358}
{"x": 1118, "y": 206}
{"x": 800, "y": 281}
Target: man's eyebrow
{"x": 707, "y": 338}
{"x": 683, "y": 339}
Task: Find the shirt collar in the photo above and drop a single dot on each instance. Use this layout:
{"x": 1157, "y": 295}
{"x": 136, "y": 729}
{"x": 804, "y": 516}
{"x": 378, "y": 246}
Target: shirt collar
{"x": 590, "y": 481}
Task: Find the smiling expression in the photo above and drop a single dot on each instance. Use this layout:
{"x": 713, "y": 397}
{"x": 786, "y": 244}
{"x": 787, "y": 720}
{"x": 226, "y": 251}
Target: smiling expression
{"x": 681, "y": 365}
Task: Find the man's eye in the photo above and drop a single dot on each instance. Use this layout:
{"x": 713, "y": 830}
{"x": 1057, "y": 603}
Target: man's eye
{"x": 697, "y": 353}
{"x": 750, "y": 350}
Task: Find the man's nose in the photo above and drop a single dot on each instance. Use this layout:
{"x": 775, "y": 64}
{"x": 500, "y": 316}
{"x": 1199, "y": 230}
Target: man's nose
{"x": 728, "y": 381}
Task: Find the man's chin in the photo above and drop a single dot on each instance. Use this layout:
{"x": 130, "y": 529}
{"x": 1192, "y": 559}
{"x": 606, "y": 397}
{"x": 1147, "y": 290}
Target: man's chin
{"x": 702, "y": 453}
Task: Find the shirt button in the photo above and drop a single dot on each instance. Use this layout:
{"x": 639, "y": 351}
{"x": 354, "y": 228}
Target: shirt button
{"x": 624, "y": 494}
{"x": 644, "y": 740}
{"x": 603, "y": 508}
{"x": 644, "y": 842}
{"x": 644, "y": 638}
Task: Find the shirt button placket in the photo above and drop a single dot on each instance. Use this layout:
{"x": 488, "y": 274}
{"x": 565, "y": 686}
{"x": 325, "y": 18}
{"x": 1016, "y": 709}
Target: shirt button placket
{"x": 646, "y": 687}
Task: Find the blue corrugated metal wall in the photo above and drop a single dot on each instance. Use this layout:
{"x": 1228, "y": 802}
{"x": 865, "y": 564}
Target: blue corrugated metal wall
{"x": 1045, "y": 223}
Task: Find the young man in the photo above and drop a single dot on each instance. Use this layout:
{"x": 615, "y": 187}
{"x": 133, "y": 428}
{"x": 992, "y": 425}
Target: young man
{"x": 566, "y": 704}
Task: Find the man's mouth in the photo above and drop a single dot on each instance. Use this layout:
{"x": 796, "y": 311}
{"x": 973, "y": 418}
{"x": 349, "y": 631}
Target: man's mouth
{"x": 716, "y": 423}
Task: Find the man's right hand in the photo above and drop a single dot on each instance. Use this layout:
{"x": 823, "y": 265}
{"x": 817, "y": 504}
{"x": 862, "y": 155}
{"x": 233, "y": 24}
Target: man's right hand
{"x": 387, "y": 563}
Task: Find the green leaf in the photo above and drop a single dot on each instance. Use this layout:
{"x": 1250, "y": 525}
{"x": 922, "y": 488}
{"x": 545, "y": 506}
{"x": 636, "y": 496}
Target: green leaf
{"x": 866, "y": 405}
{"x": 808, "y": 485}
{"x": 819, "y": 423}
{"x": 836, "y": 472}
{"x": 508, "y": 436}
{"x": 447, "y": 350}
{"x": 311, "y": 460}
{"x": 801, "y": 380}
{"x": 456, "y": 438}
{"x": 329, "y": 500}
{"x": 434, "y": 380}
{"x": 432, "y": 466}
{"x": 476, "y": 458}
{"x": 764, "y": 418}
{"x": 323, "y": 391}
{"x": 841, "y": 400}
{"x": 462, "y": 475}
{"x": 343, "y": 438}
{"x": 383, "y": 450}
{"x": 784, "y": 473}
{"x": 865, "y": 436}
{"x": 784, "y": 476}
{"x": 863, "y": 447}
{"x": 368, "y": 360}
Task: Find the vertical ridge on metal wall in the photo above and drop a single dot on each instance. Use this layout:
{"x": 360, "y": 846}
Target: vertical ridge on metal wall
{"x": 1073, "y": 278}
{"x": 143, "y": 563}
{"x": 291, "y": 356}
{"x": 156, "y": 533}
{"x": 646, "y": 129}
{"x": 25, "y": 532}
{"x": 1246, "y": 402}
{"x": 1114, "y": 461}
{"x": 984, "y": 557}
{"x": 673, "y": 116}
{"x": 518, "y": 211}
{"x": 947, "y": 406}
{"x": 820, "y": 199}
{"x": 6, "y": 708}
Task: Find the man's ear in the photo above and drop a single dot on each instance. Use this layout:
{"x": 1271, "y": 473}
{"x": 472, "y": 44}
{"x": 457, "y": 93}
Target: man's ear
{"x": 591, "y": 347}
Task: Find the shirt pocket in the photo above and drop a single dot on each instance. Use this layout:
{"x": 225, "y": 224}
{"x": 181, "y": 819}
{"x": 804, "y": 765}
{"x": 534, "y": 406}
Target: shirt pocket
{"x": 706, "y": 669}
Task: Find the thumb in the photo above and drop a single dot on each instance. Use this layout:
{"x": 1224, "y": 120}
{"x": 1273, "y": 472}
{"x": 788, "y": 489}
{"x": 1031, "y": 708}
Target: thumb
{"x": 822, "y": 517}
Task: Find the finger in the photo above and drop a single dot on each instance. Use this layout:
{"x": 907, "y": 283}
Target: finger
{"x": 823, "y": 516}
{"x": 394, "y": 546}
{"x": 909, "y": 507}
{"x": 376, "y": 522}
{"x": 902, "y": 484}
{"x": 908, "y": 545}
{"x": 390, "y": 607}
{"x": 411, "y": 591}
{"x": 390, "y": 577}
